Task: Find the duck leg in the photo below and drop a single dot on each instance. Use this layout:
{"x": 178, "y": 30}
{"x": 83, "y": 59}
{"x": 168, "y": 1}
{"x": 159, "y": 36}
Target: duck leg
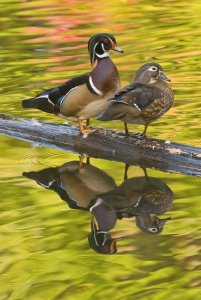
{"x": 88, "y": 160}
{"x": 144, "y": 134}
{"x": 81, "y": 159}
{"x": 126, "y": 171}
{"x": 88, "y": 123}
{"x": 145, "y": 172}
{"x": 84, "y": 130}
{"x": 126, "y": 128}
{"x": 88, "y": 126}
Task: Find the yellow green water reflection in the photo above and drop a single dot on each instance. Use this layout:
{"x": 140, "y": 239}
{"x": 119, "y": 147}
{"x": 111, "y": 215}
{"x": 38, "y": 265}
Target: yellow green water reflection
{"x": 44, "y": 244}
{"x": 45, "y": 252}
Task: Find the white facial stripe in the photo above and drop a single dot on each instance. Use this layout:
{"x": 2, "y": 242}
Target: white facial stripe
{"x": 97, "y": 91}
{"x": 102, "y": 45}
{"x": 94, "y": 51}
{"x": 105, "y": 54}
{"x": 109, "y": 39}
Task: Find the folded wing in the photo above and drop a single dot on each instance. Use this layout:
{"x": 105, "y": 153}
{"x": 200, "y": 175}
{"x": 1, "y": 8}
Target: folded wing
{"x": 132, "y": 101}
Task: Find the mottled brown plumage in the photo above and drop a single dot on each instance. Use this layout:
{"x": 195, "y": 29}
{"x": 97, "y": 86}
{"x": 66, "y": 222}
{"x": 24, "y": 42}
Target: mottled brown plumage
{"x": 143, "y": 198}
{"x": 144, "y": 101}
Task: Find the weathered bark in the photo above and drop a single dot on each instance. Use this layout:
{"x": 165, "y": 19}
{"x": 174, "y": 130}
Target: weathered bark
{"x": 107, "y": 144}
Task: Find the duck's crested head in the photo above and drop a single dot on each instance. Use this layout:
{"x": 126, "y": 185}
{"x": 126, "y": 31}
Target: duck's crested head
{"x": 101, "y": 241}
{"x": 150, "y": 223}
{"x": 100, "y": 44}
{"x": 150, "y": 73}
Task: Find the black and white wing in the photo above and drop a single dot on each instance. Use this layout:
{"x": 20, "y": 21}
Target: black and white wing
{"x": 50, "y": 100}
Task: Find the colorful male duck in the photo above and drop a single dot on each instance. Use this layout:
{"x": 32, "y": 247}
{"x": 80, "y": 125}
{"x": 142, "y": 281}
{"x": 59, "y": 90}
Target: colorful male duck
{"x": 85, "y": 96}
{"x": 142, "y": 102}
{"x": 79, "y": 188}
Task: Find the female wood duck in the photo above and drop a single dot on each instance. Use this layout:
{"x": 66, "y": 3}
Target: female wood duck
{"x": 143, "y": 198}
{"x": 85, "y": 96}
{"x": 142, "y": 102}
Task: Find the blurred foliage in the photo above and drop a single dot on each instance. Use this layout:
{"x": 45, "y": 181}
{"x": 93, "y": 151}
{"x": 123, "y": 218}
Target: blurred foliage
{"x": 44, "y": 248}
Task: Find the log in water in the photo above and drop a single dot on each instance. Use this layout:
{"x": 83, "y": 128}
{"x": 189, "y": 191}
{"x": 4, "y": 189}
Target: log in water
{"x": 107, "y": 144}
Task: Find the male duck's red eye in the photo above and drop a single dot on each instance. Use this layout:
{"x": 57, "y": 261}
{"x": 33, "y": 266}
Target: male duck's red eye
{"x": 106, "y": 41}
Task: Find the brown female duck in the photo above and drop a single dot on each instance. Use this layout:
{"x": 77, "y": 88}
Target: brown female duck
{"x": 142, "y": 102}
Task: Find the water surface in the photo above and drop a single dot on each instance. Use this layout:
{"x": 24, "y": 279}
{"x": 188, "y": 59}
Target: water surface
{"x": 45, "y": 253}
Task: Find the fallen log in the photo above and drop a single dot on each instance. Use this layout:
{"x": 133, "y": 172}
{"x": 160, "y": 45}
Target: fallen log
{"x": 107, "y": 144}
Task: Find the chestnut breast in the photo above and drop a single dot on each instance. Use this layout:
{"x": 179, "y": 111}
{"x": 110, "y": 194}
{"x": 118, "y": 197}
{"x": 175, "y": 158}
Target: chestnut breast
{"x": 105, "y": 77}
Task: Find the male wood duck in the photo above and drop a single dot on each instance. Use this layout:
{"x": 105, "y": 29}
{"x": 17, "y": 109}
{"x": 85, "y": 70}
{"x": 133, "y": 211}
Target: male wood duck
{"x": 101, "y": 241}
{"x": 142, "y": 102}
{"x": 85, "y": 96}
{"x": 78, "y": 187}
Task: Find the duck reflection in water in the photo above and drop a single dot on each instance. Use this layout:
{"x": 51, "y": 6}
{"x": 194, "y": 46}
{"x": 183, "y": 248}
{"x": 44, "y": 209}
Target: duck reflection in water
{"x": 79, "y": 184}
{"x": 143, "y": 198}
{"x": 91, "y": 189}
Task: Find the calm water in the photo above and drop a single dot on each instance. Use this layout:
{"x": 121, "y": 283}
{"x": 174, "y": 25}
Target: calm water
{"x": 45, "y": 253}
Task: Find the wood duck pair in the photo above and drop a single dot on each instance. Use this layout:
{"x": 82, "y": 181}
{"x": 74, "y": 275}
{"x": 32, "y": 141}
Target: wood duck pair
{"x": 91, "y": 189}
{"x": 85, "y": 96}
{"x": 142, "y": 102}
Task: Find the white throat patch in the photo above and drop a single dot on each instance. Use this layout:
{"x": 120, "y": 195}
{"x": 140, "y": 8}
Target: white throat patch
{"x": 105, "y": 54}
{"x": 152, "y": 81}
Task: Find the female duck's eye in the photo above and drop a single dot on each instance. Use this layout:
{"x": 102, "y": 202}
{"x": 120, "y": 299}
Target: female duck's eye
{"x": 153, "y": 230}
{"x": 153, "y": 69}
{"x": 106, "y": 41}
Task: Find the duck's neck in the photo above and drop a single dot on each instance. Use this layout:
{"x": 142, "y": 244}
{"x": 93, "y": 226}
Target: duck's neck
{"x": 105, "y": 76}
{"x": 165, "y": 88}
{"x": 162, "y": 85}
